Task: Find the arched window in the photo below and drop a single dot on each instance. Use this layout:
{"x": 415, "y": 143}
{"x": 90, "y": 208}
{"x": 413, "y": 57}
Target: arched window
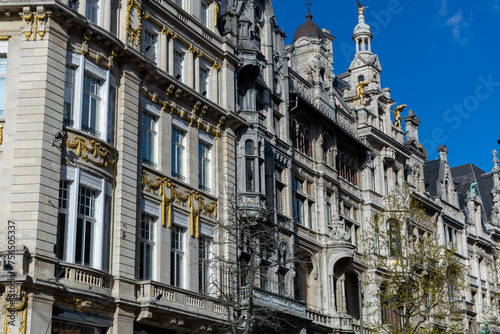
{"x": 249, "y": 147}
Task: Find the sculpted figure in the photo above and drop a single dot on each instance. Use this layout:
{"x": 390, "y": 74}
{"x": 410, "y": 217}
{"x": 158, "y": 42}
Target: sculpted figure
{"x": 397, "y": 115}
{"x": 360, "y": 91}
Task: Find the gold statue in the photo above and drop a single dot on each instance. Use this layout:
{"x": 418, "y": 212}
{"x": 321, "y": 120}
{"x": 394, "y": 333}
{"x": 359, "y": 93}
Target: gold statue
{"x": 360, "y": 91}
{"x": 360, "y": 8}
{"x": 397, "y": 115}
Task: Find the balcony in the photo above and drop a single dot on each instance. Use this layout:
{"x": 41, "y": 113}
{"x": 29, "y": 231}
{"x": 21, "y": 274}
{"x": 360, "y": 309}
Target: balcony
{"x": 343, "y": 323}
{"x": 157, "y": 294}
{"x": 275, "y": 302}
{"x": 78, "y": 277}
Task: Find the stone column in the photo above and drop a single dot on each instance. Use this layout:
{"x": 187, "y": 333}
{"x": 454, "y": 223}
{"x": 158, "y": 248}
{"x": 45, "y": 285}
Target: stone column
{"x": 170, "y": 56}
{"x": 197, "y": 74}
{"x": 106, "y": 15}
{"x": 123, "y": 322}
{"x": 39, "y": 316}
{"x": 189, "y": 69}
{"x": 162, "y": 52}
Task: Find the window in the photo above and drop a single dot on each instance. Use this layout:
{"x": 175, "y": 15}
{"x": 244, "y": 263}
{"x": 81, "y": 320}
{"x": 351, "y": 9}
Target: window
{"x": 204, "y": 13}
{"x": 394, "y": 238}
{"x": 283, "y": 260}
{"x": 149, "y": 43}
{"x": 91, "y": 104}
{"x": 89, "y": 95}
{"x": 329, "y": 213}
{"x": 69, "y": 95}
{"x": 279, "y": 198}
{"x": 299, "y": 202}
{"x": 450, "y": 237}
{"x": 63, "y": 327}
{"x": 178, "y": 3}
{"x": 177, "y": 253}
{"x": 310, "y": 215}
{"x": 204, "y": 166}
{"x": 205, "y": 245}
{"x": 71, "y": 4}
{"x": 149, "y": 139}
{"x": 276, "y": 125}
{"x": 249, "y": 166}
{"x": 83, "y": 219}
{"x": 146, "y": 246}
{"x": 204, "y": 75}
{"x": 92, "y": 11}
{"x": 178, "y": 153}
{"x": 3, "y": 76}
{"x": 179, "y": 65}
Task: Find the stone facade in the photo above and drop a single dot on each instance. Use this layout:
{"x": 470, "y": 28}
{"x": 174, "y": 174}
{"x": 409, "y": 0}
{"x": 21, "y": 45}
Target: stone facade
{"x": 131, "y": 130}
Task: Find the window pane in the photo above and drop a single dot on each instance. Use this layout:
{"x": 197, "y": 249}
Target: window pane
{"x": 249, "y": 175}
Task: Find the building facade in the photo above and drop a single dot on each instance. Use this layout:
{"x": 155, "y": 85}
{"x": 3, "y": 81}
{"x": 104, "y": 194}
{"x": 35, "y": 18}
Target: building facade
{"x": 133, "y": 133}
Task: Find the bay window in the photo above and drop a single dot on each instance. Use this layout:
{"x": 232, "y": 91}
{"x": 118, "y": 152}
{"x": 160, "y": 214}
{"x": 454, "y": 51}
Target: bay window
{"x": 89, "y": 97}
{"x": 84, "y": 218}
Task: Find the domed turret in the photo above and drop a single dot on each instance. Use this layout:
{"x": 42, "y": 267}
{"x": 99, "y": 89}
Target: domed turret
{"x": 308, "y": 29}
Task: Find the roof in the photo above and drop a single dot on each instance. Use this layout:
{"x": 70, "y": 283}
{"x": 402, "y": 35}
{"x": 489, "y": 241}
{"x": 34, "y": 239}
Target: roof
{"x": 431, "y": 175}
{"x": 465, "y": 175}
{"x": 308, "y": 29}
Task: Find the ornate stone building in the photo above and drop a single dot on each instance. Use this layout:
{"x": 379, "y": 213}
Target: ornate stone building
{"x": 130, "y": 131}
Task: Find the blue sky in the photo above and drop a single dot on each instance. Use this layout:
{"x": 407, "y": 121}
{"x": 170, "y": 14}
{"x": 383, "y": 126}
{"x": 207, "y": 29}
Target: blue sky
{"x": 440, "y": 57}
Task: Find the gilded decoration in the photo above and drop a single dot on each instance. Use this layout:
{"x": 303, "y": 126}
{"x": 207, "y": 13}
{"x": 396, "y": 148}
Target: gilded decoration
{"x": 192, "y": 117}
{"x": 216, "y": 13}
{"x": 195, "y": 51}
{"x": 168, "y": 32}
{"x": 13, "y": 309}
{"x": 35, "y": 22}
{"x": 83, "y": 305}
{"x": 397, "y": 115}
{"x": 190, "y": 198}
{"x": 134, "y": 23}
{"x": 216, "y": 66}
{"x": 85, "y": 147}
{"x": 1, "y": 134}
{"x": 4, "y": 38}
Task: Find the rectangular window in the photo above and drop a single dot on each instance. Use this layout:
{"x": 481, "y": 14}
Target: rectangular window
{"x": 178, "y": 154}
{"x": 71, "y": 4}
{"x": 204, "y": 166}
{"x": 178, "y": 65}
{"x": 299, "y": 210}
{"x": 178, "y": 3}
{"x": 3, "y": 76}
{"x": 149, "y": 47}
{"x": 62, "y": 217}
{"x": 264, "y": 276}
{"x": 204, "y": 74}
{"x": 177, "y": 253}
{"x": 205, "y": 245}
{"x": 92, "y": 11}
{"x": 250, "y": 175}
{"x": 91, "y": 105}
{"x": 310, "y": 215}
{"x": 279, "y": 198}
{"x": 146, "y": 246}
{"x": 85, "y": 226}
{"x": 276, "y": 125}
{"x": 149, "y": 135}
{"x": 69, "y": 95}
{"x": 204, "y": 13}
{"x": 328, "y": 213}
{"x": 63, "y": 327}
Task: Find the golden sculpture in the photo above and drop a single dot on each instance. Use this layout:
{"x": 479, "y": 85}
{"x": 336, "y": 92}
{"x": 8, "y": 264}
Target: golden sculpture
{"x": 397, "y": 115}
{"x": 360, "y": 92}
{"x": 216, "y": 13}
{"x": 361, "y": 9}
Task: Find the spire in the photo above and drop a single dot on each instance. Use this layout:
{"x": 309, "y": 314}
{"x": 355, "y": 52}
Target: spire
{"x": 362, "y": 32}
{"x": 309, "y": 16}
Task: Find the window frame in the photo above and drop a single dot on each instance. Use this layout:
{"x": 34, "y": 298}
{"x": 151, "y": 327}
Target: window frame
{"x": 204, "y": 264}
{"x": 179, "y": 59}
{"x": 178, "y": 153}
{"x": 204, "y": 10}
{"x": 147, "y": 269}
{"x": 205, "y": 166}
{"x": 149, "y": 139}
{"x": 152, "y": 52}
{"x": 94, "y": 6}
{"x": 177, "y": 256}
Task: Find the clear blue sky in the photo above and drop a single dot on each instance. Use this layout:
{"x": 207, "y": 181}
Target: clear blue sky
{"x": 440, "y": 57}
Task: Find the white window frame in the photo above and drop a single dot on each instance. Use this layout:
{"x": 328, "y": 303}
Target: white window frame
{"x": 206, "y": 141}
{"x": 93, "y": 5}
{"x": 149, "y": 139}
{"x": 204, "y": 264}
{"x": 147, "y": 237}
{"x": 84, "y": 67}
{"x": 77, "y": 180}
{"x": 4, "y": 47}
{"x": 179, "y": 62}
{"x": 152, "y": 54}
{"x": 204, "y": 10}
{"x": 178, "y": 153}
{"x": 177, "y": 256}
{"x": 204, "y": 74}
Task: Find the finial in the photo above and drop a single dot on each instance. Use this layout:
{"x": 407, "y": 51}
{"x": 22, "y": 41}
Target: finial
{"x": 361, "y": 9}
{"x": 308, "y": 4}
{"x": 495, "y": 159}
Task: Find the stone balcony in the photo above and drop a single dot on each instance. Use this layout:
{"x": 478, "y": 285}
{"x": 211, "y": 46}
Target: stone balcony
{"x": 79, "y": 277}
{"x": 340, "y": 322}
{"x": 150, "y": 293}
{"x": 275, "y": 302}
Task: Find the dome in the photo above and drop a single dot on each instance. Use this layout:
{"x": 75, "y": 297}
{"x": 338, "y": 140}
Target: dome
{"x": 308, "y": 29}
